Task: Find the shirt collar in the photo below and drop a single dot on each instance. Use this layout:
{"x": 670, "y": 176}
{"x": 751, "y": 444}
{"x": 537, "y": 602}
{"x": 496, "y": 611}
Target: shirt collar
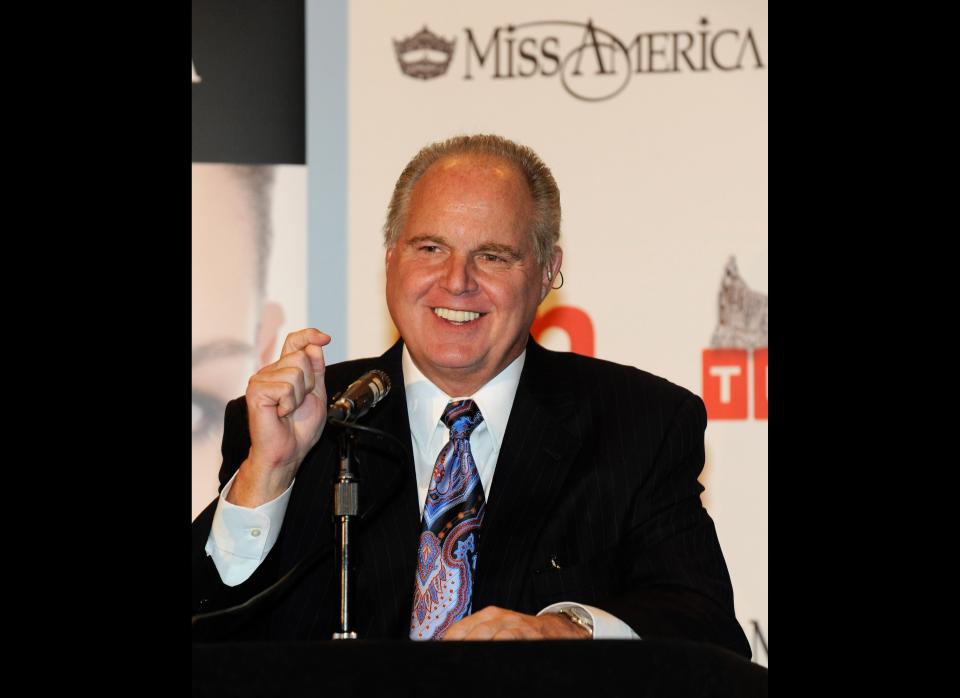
{"x": 426, "y": 402}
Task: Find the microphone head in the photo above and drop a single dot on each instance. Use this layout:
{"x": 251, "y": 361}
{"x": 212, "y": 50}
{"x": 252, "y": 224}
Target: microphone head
{"x": 380, "y": 381}
{"x": 360, "y": 396}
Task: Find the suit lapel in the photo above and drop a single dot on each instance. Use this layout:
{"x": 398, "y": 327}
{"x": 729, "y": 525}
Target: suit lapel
{"x": 381, "y": 468}
{"x": 538, "y": 448}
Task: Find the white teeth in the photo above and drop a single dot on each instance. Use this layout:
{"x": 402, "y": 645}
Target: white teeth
{"x": 456, "y": 315}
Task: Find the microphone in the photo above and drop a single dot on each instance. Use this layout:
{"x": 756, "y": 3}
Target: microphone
{"x": 359, "y": 397}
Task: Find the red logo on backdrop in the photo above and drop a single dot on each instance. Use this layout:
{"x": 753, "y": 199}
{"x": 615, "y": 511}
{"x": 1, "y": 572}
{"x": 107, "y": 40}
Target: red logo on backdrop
{"x": 725, "y": 383}
{"x": 574, "y": 321}
{"x": 760, "y": 383}
{"x": 738, "y": 358}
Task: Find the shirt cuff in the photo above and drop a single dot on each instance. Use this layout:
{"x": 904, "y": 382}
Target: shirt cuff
{"x": 240, "y": 537}
{"x": 606, "y": 626}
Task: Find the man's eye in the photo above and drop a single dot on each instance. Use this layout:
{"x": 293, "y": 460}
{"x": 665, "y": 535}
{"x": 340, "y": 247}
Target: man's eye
{"x": 207, "y": 413}
{"x": 488, "y": 257}
{"x": 429, "y": 248}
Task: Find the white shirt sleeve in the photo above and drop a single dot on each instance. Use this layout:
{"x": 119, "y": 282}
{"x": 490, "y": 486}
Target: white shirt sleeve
{"x": 605, "y": 625}
{"x": 240, "y": 537}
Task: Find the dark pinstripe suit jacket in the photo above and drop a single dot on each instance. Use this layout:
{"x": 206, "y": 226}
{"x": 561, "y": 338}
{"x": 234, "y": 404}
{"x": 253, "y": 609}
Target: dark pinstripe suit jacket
{"x": 596, "y": 500}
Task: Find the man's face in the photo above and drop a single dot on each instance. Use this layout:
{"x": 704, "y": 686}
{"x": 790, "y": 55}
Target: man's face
{"x": 463, "y": 283}
{"x": 225, "y": 305}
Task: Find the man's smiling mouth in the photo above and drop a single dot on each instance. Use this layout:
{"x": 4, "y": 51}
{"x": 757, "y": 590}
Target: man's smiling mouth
{"x": 459, "y": 317}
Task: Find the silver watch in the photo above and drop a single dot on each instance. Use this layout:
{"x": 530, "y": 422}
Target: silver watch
{"x": 578, "y": 616}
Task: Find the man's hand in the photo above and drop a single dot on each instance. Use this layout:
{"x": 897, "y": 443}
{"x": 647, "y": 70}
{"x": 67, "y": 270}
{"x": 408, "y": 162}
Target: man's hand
{"x": 494, "y": 623}
{"x": 287, "y": 411}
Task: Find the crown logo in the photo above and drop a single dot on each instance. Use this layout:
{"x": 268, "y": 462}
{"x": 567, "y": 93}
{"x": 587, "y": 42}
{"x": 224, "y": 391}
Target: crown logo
{"x": 743, "y": 313}
{"x": 424, "y": 55}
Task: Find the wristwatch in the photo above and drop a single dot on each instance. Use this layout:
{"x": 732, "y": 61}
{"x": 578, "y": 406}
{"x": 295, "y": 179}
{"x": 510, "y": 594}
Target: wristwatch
{"x": 579, "y": 617}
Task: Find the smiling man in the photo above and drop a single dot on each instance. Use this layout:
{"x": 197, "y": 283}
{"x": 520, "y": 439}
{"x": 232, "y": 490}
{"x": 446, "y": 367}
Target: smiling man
{"x": 552, "y": 495}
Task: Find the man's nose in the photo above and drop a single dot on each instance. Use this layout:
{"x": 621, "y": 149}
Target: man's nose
{"x": 458, "y": 275}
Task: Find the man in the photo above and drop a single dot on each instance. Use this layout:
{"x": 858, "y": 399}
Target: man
{"x": 574, "y": 479}
{"x": 234, "y": 327}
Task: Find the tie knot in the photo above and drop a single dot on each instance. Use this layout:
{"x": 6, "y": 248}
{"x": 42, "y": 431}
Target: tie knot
{"x": 461, "y": 418}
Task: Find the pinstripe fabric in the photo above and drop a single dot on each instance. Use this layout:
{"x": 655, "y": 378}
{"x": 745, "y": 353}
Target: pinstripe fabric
{"x": 595, "y": 498}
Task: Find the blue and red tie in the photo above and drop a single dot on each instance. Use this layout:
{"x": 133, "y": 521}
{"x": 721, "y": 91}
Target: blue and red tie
{"x": 450, "y": 537}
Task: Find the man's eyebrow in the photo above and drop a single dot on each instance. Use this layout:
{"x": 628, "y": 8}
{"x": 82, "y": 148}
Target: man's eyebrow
{"x": 218, "y": 349}
{"x": 416, "y": 240}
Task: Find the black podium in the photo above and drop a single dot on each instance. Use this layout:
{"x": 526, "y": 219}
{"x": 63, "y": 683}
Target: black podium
{"x": 389, "y": 668}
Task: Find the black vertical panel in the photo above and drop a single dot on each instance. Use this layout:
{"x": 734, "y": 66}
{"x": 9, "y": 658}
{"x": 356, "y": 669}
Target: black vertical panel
{"x": 250, "y": 106}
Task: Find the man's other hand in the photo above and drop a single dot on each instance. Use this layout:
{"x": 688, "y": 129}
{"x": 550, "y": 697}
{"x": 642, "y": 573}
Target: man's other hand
{"x": 493, "y": 623}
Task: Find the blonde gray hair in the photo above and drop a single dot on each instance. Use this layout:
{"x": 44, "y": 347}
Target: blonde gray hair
{"x": 545, "y": 227}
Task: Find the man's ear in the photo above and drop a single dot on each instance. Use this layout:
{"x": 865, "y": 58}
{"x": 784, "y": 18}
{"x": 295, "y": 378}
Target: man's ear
{"x": 551, "y": 272}
{"x": 271, "y": 317}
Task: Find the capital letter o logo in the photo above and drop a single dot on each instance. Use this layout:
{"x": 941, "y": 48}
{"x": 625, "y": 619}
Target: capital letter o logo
{"x": 574, "y": 321}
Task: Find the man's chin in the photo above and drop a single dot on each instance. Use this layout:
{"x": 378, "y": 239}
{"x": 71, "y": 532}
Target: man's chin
{"x": 450, "y": 363}
{"x": 465, "y": 358}
{"x": 456, "y": 362}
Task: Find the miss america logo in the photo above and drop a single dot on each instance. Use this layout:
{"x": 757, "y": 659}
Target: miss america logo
{"x": 592, "y": 62}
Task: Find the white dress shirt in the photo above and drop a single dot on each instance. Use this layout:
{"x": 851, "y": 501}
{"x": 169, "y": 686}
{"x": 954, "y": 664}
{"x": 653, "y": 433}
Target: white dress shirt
{"x": 240, "y": 537}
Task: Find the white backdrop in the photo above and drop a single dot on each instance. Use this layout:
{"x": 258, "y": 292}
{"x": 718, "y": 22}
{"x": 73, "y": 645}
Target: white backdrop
{"x": 661, "y": 184}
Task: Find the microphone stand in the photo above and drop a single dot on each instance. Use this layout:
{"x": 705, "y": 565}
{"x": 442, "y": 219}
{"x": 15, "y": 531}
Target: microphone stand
{"x": 345, "y": 513}
{"x": 345, "y": 490}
